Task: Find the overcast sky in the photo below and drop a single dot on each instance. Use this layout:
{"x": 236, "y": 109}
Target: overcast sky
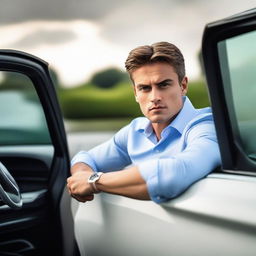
{"x": 79, "y": 37}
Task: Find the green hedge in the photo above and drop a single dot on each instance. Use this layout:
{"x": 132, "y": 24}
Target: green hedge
{"x": 92, "y": 102}
{"x": 197, "y": 93}
{"x": 89, "y": 102}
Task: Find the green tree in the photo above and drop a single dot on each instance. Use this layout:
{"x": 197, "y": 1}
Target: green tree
{"x": 108, "y": 78}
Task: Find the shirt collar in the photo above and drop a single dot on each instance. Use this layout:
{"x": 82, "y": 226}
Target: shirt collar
{"x": 187, "y": 113}
{"x": 144, "y": 126}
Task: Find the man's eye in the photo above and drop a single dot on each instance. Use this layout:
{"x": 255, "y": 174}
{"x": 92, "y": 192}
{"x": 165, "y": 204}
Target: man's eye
{"x": 144, "y": 88}
{"x": 164, "y": 85}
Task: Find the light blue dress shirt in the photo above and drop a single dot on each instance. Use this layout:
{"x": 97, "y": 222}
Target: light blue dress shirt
{"x": 186, "y": 152}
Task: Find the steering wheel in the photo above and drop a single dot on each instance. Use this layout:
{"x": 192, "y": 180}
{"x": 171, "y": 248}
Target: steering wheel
{"x": 9, "y": 190}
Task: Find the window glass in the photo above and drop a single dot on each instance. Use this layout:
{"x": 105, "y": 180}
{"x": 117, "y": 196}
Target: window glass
{"x": 22, "y": 120}
{"x": 238, "y": 67}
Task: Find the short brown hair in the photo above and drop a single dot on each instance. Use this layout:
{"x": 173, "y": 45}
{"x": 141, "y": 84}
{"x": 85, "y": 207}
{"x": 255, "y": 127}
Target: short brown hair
{"x": 157, "y": 52}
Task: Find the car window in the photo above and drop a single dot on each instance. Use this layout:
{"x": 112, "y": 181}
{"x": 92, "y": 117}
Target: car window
{"x": 22, "y": 117}
{"x": 238, "y": 68}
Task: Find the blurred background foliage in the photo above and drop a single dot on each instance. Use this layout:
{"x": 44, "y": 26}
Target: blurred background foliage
{"x": 108, "y": 95}
{"x": 108, "y": 78}
{"x": 89, "y": 101}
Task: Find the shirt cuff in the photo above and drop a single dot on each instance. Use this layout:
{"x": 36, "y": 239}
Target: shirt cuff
{"x": 149, "y": 172}
{"x": 84, "y": 157}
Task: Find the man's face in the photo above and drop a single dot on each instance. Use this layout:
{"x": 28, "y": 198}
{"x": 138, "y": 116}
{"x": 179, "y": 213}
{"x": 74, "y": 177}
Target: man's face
{"x": 158, "y": 92}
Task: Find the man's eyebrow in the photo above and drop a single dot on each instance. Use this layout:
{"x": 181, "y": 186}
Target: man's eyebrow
{"x": 142, "y": 85}
{"x": 165, "y": 81}
{"x": 159, "y": 83}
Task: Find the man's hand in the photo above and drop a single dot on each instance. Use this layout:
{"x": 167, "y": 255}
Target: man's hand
{"x": 77, "y": 184}
{"x": 83, "y": 199}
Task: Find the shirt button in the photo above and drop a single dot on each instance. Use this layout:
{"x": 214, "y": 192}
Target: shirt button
{"x": 158, "y": 198}
{"x": 157, "y": 150}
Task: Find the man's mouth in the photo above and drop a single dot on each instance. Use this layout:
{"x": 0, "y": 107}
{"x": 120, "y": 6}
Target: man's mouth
{"x": 156, "y": 108}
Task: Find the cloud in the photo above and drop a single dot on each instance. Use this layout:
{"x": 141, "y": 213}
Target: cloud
{"x": 181, "y": 22}
{"x": 146, "y": 21}
{"x": 132, "y": 22}
{"x": 81, "y": 36}
{"x": 43, "y": 36}
{"x": 16, "y": 11}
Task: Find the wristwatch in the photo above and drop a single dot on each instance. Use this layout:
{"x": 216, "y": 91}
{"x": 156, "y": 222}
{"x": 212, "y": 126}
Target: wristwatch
{"x": 92, "y": 180}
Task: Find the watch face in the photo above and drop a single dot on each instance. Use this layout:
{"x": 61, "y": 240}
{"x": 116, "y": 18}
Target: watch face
{"x": 93, "y": 177}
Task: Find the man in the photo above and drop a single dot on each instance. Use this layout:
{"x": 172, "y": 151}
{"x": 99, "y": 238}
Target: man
{"x": 170, "y": 148}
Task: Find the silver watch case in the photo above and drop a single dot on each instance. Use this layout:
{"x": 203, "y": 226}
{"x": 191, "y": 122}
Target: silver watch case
{"x": 94, "y": 177}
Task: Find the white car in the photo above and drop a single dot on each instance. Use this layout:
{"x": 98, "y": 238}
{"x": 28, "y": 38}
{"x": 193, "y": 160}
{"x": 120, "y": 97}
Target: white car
{"x": 215, "y": 216}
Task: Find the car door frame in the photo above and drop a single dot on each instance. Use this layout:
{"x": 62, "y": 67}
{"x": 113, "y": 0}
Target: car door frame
{"x": 234, "y": 159}
{"x": 37, "y": 70}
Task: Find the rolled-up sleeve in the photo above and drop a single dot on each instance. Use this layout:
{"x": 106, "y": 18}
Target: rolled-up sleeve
{"x": 166, "y": 178}
{"x": 109, "y": 156}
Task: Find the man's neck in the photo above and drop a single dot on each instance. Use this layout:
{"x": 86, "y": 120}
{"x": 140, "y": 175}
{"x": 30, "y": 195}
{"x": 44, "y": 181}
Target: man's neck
{"x": 158, "y": 128}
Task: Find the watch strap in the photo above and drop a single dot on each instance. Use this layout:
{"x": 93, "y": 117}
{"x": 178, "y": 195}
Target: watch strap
{"x": 94, "y": 188}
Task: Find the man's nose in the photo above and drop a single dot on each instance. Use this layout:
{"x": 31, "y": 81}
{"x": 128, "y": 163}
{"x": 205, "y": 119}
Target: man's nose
{"x": 155, "y": 95}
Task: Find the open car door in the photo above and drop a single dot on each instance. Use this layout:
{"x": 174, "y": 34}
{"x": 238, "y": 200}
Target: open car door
{"x": 229, "y": 52}
{"x": 33, "y": 149}
{"x": 216, "y": 215}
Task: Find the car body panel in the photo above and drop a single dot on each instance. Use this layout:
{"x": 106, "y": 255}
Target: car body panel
{"x": 213, "y": 217}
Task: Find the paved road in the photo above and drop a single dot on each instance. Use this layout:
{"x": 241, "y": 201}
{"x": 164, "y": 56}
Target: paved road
{"x": 86, "y": 140}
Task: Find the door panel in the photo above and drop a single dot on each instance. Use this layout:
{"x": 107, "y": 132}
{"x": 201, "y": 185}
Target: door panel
{"x": 29, "y": 165}
{"x": 33, "y": 148}
{"x": 216, "y": 216}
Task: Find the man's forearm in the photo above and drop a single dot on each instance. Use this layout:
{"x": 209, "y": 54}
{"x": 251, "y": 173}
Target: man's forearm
{"x": 126, "y": 182}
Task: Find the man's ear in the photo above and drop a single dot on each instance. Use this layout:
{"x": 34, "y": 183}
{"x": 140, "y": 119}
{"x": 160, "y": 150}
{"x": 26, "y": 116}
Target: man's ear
{"x": 184, "y": 86}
